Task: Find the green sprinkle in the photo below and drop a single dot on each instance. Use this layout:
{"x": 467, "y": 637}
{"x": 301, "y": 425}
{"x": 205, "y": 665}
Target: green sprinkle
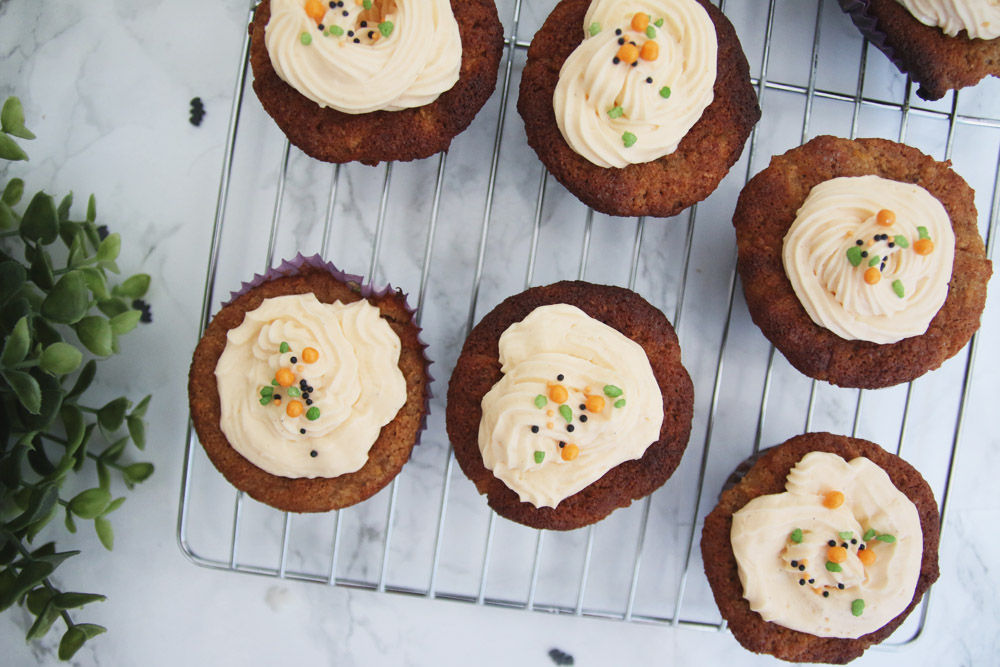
{"x": 650, "y": 32}
{"x": 367, "y": 4}
{"x": 629, "y": 139}
{"x": 833, "y": 567}
{"x": 854, "y": 255}
{"x": 306, "y": 38}
{"x": 922, "y": 231}
{"x": 264, "y": 400}
{"x": 658, "y": 23}
{"x": 284, "y": 348}
{"x": 293, "y": 392}
{"x": 846, "y": 535}
{"x": 274, "y": 383}
{"x": 888, "y": 539}
{"x": 665, "y": 92}
{"x": 336, "y": 30}
{"x": 539, "y": 456}
{"x": 897, "y": 287}
{"x": 858, "y": 607}
{"x": 313, "y": 414}
{"x": 594, "y": 28}
{"x": 797, "y": 536}
{"x": 874, "y": 260}
{"x": 869, "y": 535}
{"x": 620, "y": 403}
{"x": 615, "y": 112}
{"x": 267, "y": 391}
{"x": 901, "y": 241}
{"x": 612, "y": 391}
{"x": 386, "y": 28}
{"x": 540, "y": 401}
{"x": 566, "y": 412}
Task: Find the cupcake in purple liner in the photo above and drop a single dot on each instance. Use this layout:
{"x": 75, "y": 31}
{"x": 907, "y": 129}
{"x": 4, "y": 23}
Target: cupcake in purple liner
{"x": 309, "y": 389}
{"x": 942, "y": 44}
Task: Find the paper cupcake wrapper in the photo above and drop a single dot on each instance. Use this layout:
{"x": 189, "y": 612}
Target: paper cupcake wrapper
{"x": 858, "y": 11}
{"x": 294, "y": 266}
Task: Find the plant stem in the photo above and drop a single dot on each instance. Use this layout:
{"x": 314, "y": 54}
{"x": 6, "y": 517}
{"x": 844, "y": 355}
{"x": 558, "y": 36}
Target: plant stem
{"x": 45, "y": 582}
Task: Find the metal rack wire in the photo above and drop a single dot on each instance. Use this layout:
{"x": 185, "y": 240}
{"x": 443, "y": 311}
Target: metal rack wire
{"x": 423, "y": 544}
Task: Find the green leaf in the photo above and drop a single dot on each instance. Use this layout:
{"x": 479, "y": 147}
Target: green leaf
{"x": 112, "y": 307}
{"x": 112, "y": 415}
{"x": 40, "y": 270}
{"x": 11, "y": 466}
{"x": 137, "y": 431}
{"x": 105, "y": 532}
{"x": 64, "y": 206}
{"x": 70, "y": 524}
{"x": 45, "y": 333}
{"x": 115, "y": 504}
{"x": 43, "y": 622}
{"x": 122, "y": 324}
{"x": 109, "y": 248}
{"x": 83, "y": 380}
{"x": 114, "y": 450}
{"x": 12, "y": 119}
{"x": 76, "y": 600}
{"x": 30, "y": 576}
{"x": 96, "y": 282}
{"x": 9, "y": 150}
{"x": 74, "y": 425}
{"x": 26, "y": 388}
{"x": 71, "y": 642}
{"x": 41, "y": 222}
{"x": 8, "y": 220}
{"x": 13, "y": 192}
{"x": 38, "y": 459}
{"x": 138, "y": 472}
{"x": 60, "y": 358}
{"x": 12, "y": 277}
{"x": 95, "y": 334}
{"x": 37, "y": 599}
{"x": 43, "y": 499}
{"x": 52, "y": 396}
{"x": 90, "y": 503}
{"x": 15, "y": 349}
{"x": 69, "y": 299}
{"x": 134, "y": 287}
{"x": 103, "y": 476}
{"x": 91, "y": 209}
{"x": 40, "y": 523}
{"x": 140, "y": 410}
{"x": 91, "y": 629}
{"x": 47, "y": 553}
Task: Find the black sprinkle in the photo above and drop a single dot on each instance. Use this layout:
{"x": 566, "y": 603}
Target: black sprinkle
{"x": 635, "y": 64}
{"x": 305, "y": 395}
{"x": 891, "y": 244}
{"x": 812, "y": 581}
{"x": 277, "y": 397}
{"x": 861, "y": 548}
{"x": 570, "y": 428}
{"x": 147, "y": 314}
{"x": 621, "y": 40}
{"x": 302, "y": 431}
{"x": 826, "y": 594}
{"x": 350, "y": 33}
{"x": 371, "y": 33}
{"x": 534, "y": 429}
{"x": 840, "y": 586}
{"x": 618, "y": 32}
{"x": 303, "y": 384}
{"x": 364, "y": 24}
{"x": 802, "y": 568}
{"x": 795, "y": 563}
{"x": 314, "y": 453}
{"x": 294, "y": 360}
{"x": 310, "y": 389}
{"x": 843, "y": 544}
{"x": 860, "y": 242}
{"x": 832, "y": 543}
{"x": 357, "y": 41}
{"x": 562, "y": 444}
{"x": 333, "y": 4}
{"x": 583, "y": 418}
{"x": 583, "y": 406}
{"x": 346, "y": 13}
{"x": 854, "y": 541}
{"x": 309, "y": 401}
{"x": 649, "y": 79}
{"x": 632, "y": 43}
{"x": 615, "y": 60}
{"x": 561, "y": 658}
{"x": 320, "y": 27}
{"x": 802, "y": 582}
{"x": 864, "y": 254}
{"x": 560, "y": 377}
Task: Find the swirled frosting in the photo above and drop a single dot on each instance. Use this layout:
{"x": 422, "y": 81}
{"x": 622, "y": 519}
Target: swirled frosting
{"x": 861, "y": 278}
{"x": 577, "y": 398}
{"x": 979, "y": 18}
{"x": 614, "y": 113}
{"x": 338, "y": 362}
{"x": 395, "y": 55}
{"x": 801, "y": 556}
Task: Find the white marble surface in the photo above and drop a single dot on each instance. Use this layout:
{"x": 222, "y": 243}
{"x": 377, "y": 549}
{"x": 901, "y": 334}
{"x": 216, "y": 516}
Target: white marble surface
{"x": 106, "y": 85}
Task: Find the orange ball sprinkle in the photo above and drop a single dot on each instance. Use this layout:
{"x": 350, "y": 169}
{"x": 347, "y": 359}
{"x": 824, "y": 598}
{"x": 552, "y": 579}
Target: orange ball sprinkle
{"x": 549, "y": 425}
{"x": 923, "y": 246}
{"x": 833, "y": 500}
{"x": 558, "y": 393}
{"x": 628, "y": 54}
{"x": 867, "y": 557}
{"x": 315, "y": 10}
{"x": 310, "y": 355}
{"x": 294, "y": 408}
{"x": 640, "y": 22}
{"x": 570, "y": 452}
{"x": 595, "y": 403}
{"x": 836, "y": 554}
{"x": 885, "y": 217}
{"x": 872, "y": 275}
{"x": 650, "y": 51}
{"x": 285, "y": 377}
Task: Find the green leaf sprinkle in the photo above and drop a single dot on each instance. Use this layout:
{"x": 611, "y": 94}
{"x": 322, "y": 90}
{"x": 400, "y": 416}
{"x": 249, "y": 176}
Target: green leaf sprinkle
{"x": 874, "y": 260}
{"x": 888, "y": 539}
{"x": 846, "y": 535}
{"x": 612, "y": 391}
{"x": 658, "y": 23}
{"x": 796, "y": 536}
{"x": 665, "y": 92}
{"x": 594, "y": 29}
{"x": 265, "y": 400}
{"x": 833, "y": 567}
{"x": 854, "y": 255}
{"x": 305, "y": 38}
{"x": 858, "y": 607}
{"x": 274, "y": 383}
{"x": 629, "y": 139}
{"x": 267, "y": 391}
{"x": 620, "y": 403}
{"x": 336, "y": 30}
{"x": 901, "y": 241}
{"x": 313, "y": 414}
{"x": 283, "y": 348}
{"x": 367, "y": 4}
{"x": 293, "y": 392}
{"x": 566, "y": 412}
{"x": 869, "y": 535}
{"x": 897, "y": 287}
{"x": 386, "y": 28}
{"x": 615, "y": 112}
{"x": 540, "y": 401}
{"x": 922, "y": 231}
{"x": 539, "y": 456}
{"x": 650, "y": 32}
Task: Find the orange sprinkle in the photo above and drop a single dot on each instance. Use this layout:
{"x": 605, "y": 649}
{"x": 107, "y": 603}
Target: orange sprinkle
{"x": 628, "y": 54}
{"x": 277, "y": 401}
{"x": 872, "y": 275}
{"x": 871, "y": 242}
{"x": 285, "y": 377}
{"x": 294, "y": 408}
{"x": 650, "y": 50}
{"x": 595, "y": 403}
{"x": 923, "y": 246}
{"x": 558, "y": 393}
{"x": 867, "y": 557}
{"x": 549, "y": 413}
{"x": 885, "y": 217}
{"x": 315, "y": 10}
{"x": 587, "y": 389}
{"x": 570, "y": 452}
{"x": 833, "y": 500}
{"x": 300, "y": 368}
{"x": 640, "y": 22}
{"x": 549, "y": 426}
{"x": 310, "y": 355}
{"x": 836, "y": 554}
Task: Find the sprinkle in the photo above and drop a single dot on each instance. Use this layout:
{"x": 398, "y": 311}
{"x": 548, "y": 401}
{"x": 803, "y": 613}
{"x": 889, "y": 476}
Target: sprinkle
{"x": 595, "y": 28}
{"x": 385, "y": 28}
{"x": 812, "y": 581}
{"x": 595, "y": 403}
{"x": 797, "y": 536}
{"x": 561, "y": 444}
{"x": 874, "y": 260}
{"x": 867, "y": 557}
{"x": 802, "y": 568}
{"x": 277, "y": 398}
{"x": 658, "y": 23}
{"x": 922, "y": 231}
{"x": 615, "y": 60}
{"x": 306, "y": 38}
{"x": 267, "y": 391}
{"x": 832, "y": 543}
{"x": 560, "y": 377}
{"x": 570, "y": 452}
{"x": 885, "y": 217}
{"x": 534, "y": 429}
{"x": 618, "y": 31}
{"x": 628, "y": 54}
{"x": 293, "y": 392}
{"x": 539, "y": 456}
{"x": 869, "y": 535}
{"x": 294, "y": 409}
{"x": 540, "y": 401}
{"x": 310, "y": 355}
{"x": 854, "y": 255}
{"x": 356, "y": 40}
{"x": 264, "y": 400}
{"x": 302, "y": 431}
{"x": 897, "y": 287}
{"x": 859, "y": 242}
{"x": 650, "y": 50}
{"x": 826, "y": 594}
{"x": 583, "y": 418}
{"x": 873, "y": 276}
{"x": 858, "y": 607}
{"x": 802, "y": 582}
{"x": 629, "y": 139}
{"x": 566, "y": 412}
{"x": 315, "y": 10}
{"x": 888, "y": 539}
{"x": 845, "y": 535}
{"x": 640, "y": 21}
{"x": 570, "y": 428}
{"x": 864, "y": 254}
{"x": 314, "y": 453}
{"x": 550, "y": 426}
{"x": 367, "y": 4}
{"x": 795, "y": 563}
{"x": 283, "y": 348}
{"x": 558, "y": 394}
{"x": 833, "y": 567}
{"x": 923, "y": 246}
{"x": 620, "y": 403}
{"x": 313, "y": 414}
{"x": 615, "y": 112}
{"x": 649, "y": 79}
{"x": 285, "y": 377}
{"x": 583, "y": 406}
{"x": 336, "y": 30}
{"x": 833, "y": 500}
{"x": 309, "y": 401}
{"x": 294, "y": 360}
{"x": 665, "y": 92}
{"x": 840, "y": 586}
{"x": 612, "y": 391}
{"x": 650, "y": 32}
{"x": 836, "y": 555}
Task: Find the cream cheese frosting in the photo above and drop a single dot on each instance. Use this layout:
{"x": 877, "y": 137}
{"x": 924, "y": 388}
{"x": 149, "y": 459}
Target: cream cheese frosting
{"x": 577, "y": 398}
{"x": 305, "y": 387}
{"x": 837, "y": 554}
{"x": 638, "y": 82}
{"x": 870, "y": 258}
{"x": 396, "y": 54}
{"x": 979, "y": 18}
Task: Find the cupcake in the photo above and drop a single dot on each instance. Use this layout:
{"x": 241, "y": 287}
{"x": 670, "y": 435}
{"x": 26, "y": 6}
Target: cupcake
{"x": 942, "y": 44}
{"x": 567, "y": 402}
{"x": 822, "y": 549}
{"x": 309, "y": 390}
{"x": 374, "y": 81}
{"x": 861, "y": 260}
{"x": 637, "y": 108}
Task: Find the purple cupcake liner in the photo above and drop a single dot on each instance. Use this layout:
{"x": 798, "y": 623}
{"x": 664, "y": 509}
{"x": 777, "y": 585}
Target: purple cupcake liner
{"x": 291, "y": 267}
{"x": 868, "y": 25}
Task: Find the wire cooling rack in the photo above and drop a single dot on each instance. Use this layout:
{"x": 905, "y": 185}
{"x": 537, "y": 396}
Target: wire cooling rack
{"x": 464, "y": 230}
